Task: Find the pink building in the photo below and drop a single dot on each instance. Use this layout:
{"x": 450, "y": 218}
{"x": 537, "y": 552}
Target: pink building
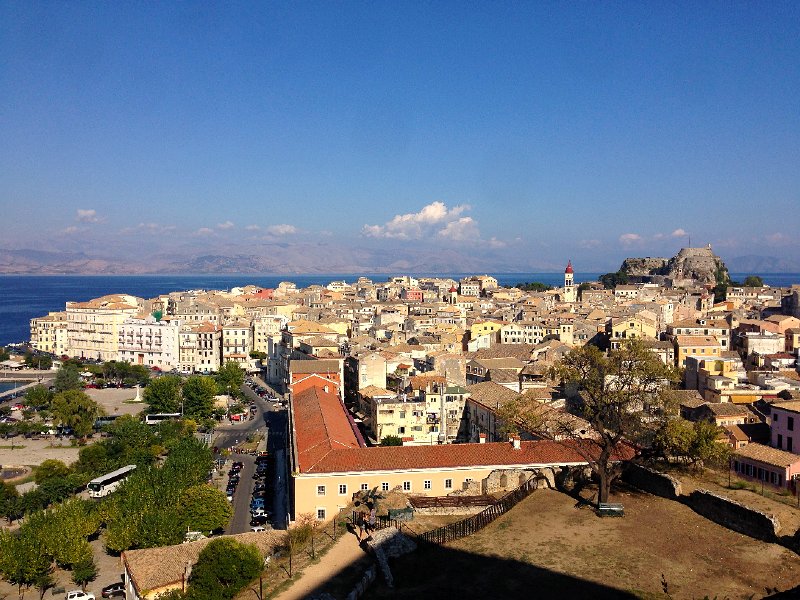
{"x": 411, "y": 294}
{"x": 785, "y": 426}
{"x": 771, "y": 466}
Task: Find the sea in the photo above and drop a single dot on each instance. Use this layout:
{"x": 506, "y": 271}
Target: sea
{"x": 23, "y": 297}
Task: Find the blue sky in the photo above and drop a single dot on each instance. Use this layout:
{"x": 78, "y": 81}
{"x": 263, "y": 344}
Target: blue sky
{"x": 523, "y": 133}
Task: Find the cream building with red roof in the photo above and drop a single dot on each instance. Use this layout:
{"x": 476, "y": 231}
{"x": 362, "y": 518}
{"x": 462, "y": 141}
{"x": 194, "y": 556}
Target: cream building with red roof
{"x": 329, "y": 460}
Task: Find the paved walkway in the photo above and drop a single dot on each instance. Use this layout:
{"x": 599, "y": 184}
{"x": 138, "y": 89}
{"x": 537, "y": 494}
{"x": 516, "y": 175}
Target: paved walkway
{"x": 342, "y": 554}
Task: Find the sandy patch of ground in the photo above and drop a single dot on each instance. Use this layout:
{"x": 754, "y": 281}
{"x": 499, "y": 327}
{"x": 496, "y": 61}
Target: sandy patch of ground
{"x": 22, "y": 451}
{"x": 548, "y": 546}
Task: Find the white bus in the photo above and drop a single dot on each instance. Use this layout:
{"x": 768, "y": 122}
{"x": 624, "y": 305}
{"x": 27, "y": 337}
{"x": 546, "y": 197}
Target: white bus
{"x": 160, "y": 418}
{"x": 103, "y": 486}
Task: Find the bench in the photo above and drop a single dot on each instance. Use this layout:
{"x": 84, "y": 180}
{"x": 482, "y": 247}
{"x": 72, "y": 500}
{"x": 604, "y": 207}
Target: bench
{"x": 608, "y": 509}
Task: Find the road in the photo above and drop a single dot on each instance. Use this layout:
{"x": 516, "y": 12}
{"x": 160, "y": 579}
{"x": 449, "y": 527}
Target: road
{"x": 272, "y": 422}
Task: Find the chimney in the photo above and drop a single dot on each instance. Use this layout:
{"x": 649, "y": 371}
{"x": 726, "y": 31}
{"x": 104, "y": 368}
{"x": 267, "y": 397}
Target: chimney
{"x": 482, "y": 438}
{"x": 515, "y": 441}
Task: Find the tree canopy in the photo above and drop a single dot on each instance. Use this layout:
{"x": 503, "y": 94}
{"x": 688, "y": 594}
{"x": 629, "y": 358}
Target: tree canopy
{"x": 204, "y": 508}
{"x": 198, "y": 396}
{"x": 223, "y": 568}
{"x": 230, "y": 378}
{"x": 68, "y": 377}
{"x": 163, "y": 394}
{"x": 612, "y": 280}
{"x": 73, "y": 408}
{"x": 623, "y": 397}
{"x": 753, "y": 281}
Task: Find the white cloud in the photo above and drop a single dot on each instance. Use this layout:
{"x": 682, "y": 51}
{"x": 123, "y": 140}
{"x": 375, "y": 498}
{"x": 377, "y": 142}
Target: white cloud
{"x": 282, "y": 229}
{"x": 252, "y": 228}
{"x": 70, "y": 230}
{"x": 493, "y": 242}
{"x": 679, "y": 233}
{"x": 423, "y": 223}
{"x": 464, "y": 228}
{"x": 204, "y": 231}
{"x": 627, "y": 239}
{"x": 225, "y": 225}
{"x": 590, "y": 244}
{"x": 88, "y": 215}
{"x": 778, "y": 238}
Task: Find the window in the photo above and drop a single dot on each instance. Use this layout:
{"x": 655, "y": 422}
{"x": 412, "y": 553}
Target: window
{"x": 468, "y": 480}
{"x": 321, "y": 514}
{"x": 401, "y": 430}
{"x": 774, "y": 417}
{"x": 780, "y": 442}
{"x": 320, "y": 490}
{"x": 790, "y": 423}
{"x": 342, "y": 489}
{"x": 406, "y": 486}
{"x": 448, "y": 484}
{"x": 364, "y": 487}
{"x": 427, "y": 484}
{"x": 788, "y": 444}
{"x": 402, "y": 414}
{"x": 385, "y": 486}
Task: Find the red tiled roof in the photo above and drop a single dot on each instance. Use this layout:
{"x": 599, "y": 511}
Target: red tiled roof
{"x": 398, "y": 458}
{"x": 321, "y": 427}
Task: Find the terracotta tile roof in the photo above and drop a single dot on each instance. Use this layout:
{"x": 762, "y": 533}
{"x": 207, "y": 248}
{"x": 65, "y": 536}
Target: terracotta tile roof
{"x": 490, "y": 395}
{"x": 503, "y": 454}
{"x": 727, "y": 409}
{"x": 325, "y": 365}
{"x": 153, "y": 568}
{"x": 372, "y": 390}
{"x": 792, "y": 405}
{"x": 320, "y": 426}
{"x": 696, "y": 340}
{"x": 768, "y": 455}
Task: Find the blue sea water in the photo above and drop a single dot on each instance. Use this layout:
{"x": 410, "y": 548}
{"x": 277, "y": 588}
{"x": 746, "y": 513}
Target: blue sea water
{"x": 23, "y": 297}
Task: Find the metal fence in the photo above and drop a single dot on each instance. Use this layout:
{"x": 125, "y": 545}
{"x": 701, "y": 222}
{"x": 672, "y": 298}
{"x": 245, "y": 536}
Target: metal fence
{"x": 470, "y": 525}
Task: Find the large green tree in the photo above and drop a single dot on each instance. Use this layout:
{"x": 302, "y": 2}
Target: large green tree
{"x": 38, "y": 396}
{"x": 163, "y": 394}
{"x": 623, "y": 396}
{"x": 68, "y": 377}
{"x": 198, "y": 396}
{"x": 10, "y": 506}
{"x": 204, "y": 508}
{"x": 50, "y": 468}
{"x": 230, "y": 379}
{"x": 73, "y": 408}
{"x": 223, "y": 568}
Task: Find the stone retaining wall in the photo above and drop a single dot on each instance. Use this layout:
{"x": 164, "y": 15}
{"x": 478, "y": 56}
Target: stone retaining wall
{"x": 651, "y": 481}
{"x": 733, "y": 515}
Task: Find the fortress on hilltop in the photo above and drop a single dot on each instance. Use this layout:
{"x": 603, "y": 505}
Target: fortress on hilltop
{"x": 691, "y": 266}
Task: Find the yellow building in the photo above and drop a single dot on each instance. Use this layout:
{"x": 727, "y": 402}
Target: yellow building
{"x": 49, "y": 334}
{"x": 622, "y": 328}
{"x": 93, "y": 326}
{"x": 702, "y": 346}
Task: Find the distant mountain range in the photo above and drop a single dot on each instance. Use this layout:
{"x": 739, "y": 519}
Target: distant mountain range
{"x": 762, "y": 264}
{"x": 273, "y": 258}
{"x": 317, "y": 258}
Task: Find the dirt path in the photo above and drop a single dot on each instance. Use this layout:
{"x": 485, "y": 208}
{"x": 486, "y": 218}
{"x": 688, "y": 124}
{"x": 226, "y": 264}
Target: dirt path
{"x": 343, "y": 554}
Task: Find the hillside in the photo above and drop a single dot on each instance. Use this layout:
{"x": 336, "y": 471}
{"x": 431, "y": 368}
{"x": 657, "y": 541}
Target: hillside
{"x": 689, "y": 266}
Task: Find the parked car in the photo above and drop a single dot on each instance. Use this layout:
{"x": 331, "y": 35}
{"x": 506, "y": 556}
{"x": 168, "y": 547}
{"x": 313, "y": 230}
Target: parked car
{"x": 114, "y": 590}
{"x": 259, "y": 520}
{"x": 257, "y": 528}
{"x": 79, "y": 595}
{"x": 258, "y": 512}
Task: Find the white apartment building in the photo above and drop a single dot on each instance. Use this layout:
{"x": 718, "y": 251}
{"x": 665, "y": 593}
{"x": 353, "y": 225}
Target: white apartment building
{"x": 200, "y": 348}
{"x": 149, "y": 342}
{"x": 237, "y": 342}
